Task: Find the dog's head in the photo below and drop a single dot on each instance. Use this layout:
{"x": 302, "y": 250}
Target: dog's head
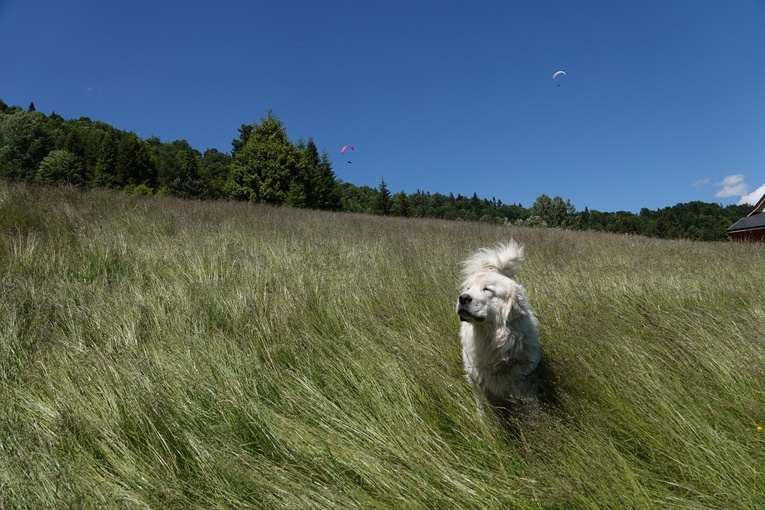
{"x": 490, "y": 299}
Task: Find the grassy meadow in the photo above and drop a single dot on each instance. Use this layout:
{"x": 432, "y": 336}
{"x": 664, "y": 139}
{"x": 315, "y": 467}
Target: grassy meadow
{"x": 158, "y": 353}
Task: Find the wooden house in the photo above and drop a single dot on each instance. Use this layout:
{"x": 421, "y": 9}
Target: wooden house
{"x": 752, "y": 226}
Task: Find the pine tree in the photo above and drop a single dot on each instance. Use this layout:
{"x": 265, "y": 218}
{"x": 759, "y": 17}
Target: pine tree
{"x": 188, "y": 182}
{"x": 321, "y": 186}
{"x": 244, "y": 134}
{"x": 309, "y": 160}
{"x": 383, "y": 199}
{"x": 328, "y": 188}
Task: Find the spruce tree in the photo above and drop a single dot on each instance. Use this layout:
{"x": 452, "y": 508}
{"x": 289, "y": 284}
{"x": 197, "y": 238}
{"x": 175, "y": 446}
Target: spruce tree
{"x": 328, "y": 189}
{"x": 321, "y": 185}
{"x": 309, "y": 161}
{"x": 266, "y": 169}
{"x": 383, "y": 199}
{"x": 245, "y": 130}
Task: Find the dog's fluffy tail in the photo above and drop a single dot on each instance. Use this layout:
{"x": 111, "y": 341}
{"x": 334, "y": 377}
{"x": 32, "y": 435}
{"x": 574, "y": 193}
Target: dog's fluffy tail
{"x": 505, "y": 258}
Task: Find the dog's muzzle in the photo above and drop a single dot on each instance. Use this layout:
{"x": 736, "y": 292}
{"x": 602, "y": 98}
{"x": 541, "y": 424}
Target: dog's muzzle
{"x": 465, "y": 314}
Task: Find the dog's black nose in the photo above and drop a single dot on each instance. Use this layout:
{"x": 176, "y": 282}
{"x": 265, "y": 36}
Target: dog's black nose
{"x": 465, "y": 299}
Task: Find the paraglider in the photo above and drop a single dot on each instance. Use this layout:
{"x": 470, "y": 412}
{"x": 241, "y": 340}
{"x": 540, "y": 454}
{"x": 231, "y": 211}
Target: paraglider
{"x": 558, "y": 73}
{"x": 345, "y": 148}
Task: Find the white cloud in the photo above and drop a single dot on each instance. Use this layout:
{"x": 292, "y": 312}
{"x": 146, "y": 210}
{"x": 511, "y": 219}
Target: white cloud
{"x": 735, "y": 185}
{"x": 753, "y": 197}
{"x": 701, "y": 182}
{"x": 732, "y": 186}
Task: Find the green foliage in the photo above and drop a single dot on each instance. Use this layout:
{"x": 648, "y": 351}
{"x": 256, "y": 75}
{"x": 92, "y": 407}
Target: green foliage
{"x": 554, "y": 212}
{"x": 321, "y": 186}
{"x": 178, "y": 169}
{"x": 383, "y": 199}
{"x": 163, "y": 353}
{"x": 25, "y": 140}
{"x": 245, "y": 130}
{"x": 265, "y": 166}
{"x": 400, "y": 205}
{"x": 532, "y": 221}
{"x": 106, "y": 164}
{"x": 214, "y": 170}
{"x": 133, "y": 165}
{"x": 358, "y": 199}
{"x": 60, "y": 166}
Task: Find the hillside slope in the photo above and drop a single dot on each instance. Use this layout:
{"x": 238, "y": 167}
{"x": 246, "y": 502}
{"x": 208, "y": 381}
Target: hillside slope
{"x": 158, "y": 353}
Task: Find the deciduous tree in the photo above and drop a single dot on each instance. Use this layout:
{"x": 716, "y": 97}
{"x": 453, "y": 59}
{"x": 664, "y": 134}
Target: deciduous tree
{"x": 133, "y": 165}
{"x": 60, "y": 167}
{"x": 25, "y": 139}
{"x": 106, "y": 165}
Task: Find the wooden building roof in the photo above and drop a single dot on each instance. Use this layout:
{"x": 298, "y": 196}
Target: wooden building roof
{"x": 758, "y": 208}
{"x": 752, "y": 226}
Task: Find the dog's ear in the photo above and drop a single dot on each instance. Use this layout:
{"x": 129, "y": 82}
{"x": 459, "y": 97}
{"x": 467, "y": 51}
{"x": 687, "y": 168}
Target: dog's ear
{"x": 515, "y": 306}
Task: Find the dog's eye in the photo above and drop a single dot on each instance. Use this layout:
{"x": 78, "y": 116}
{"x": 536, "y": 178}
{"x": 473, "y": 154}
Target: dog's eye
{"x": 488, "y": 289}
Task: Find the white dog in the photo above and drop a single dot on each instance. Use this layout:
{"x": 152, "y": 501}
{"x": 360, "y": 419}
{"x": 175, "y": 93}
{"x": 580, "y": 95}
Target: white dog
{"x": 500, "y": 344}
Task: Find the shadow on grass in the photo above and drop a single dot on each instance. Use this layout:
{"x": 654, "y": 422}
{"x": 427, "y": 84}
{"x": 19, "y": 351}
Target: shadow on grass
{"x": 518, "y": 419}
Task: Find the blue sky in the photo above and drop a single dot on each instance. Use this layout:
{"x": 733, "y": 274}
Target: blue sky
{"x": 663, "y": 101}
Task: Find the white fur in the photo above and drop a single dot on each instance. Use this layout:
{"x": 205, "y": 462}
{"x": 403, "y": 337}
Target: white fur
{"x": 500, "y": 343}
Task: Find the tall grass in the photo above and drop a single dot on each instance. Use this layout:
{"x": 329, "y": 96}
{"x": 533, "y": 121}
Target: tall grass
{"x": 157, "y": 353}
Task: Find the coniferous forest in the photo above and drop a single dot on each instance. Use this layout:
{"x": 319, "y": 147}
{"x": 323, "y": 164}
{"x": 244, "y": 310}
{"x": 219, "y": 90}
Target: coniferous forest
{"x": 264, "y": 165}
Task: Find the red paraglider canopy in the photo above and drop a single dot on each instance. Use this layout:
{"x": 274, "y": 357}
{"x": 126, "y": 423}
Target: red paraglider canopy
{"x": 346, "y": 147}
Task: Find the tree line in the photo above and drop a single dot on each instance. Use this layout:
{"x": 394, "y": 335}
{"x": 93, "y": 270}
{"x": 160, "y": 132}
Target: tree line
{"x": 264, "y": 165}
